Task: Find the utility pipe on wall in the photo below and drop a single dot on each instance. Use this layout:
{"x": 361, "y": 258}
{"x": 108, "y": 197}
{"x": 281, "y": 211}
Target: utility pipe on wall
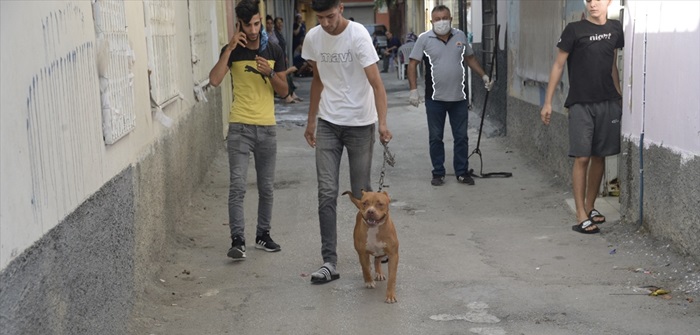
{"x": 641, "y": 135}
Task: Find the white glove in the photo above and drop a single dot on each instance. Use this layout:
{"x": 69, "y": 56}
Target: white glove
{"x": 488, "y": 84}
{"x": 414, "y": 98}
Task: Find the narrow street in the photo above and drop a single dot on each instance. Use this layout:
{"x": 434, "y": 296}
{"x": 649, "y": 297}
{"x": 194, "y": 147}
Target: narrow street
{"x": 495, "y": 258}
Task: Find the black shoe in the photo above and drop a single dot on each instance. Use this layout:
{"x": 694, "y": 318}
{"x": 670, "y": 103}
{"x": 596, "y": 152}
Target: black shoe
{"x": 266, "y": 243}
{"x": 465, "y": 179}
{"x": 437, "y": 180}
{"x": 237, "y": 251}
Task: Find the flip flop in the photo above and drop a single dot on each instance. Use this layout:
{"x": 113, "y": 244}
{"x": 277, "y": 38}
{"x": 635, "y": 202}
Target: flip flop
{"x": 583, "y": 227}
{"x": 323, "y": 275}
{"x": 595, "y": 214}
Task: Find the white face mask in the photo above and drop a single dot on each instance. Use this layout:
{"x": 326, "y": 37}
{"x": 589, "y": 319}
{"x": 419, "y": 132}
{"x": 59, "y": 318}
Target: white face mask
{"x": 442, "y": 27}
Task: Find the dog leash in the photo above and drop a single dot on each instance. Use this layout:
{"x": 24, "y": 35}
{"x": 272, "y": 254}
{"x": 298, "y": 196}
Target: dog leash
{"x": 388, "y": 159}
{"x": 481, "y": 126}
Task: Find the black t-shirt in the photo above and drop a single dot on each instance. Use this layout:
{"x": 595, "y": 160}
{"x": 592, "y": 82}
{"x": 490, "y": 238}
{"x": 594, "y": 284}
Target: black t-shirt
{"x": 591, "y": 49}
{"x": 272, "y": 52}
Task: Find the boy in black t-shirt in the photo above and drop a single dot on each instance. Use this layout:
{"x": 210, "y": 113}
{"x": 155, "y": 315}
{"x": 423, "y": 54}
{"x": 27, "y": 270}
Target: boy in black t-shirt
{"x": 589, "y": 49}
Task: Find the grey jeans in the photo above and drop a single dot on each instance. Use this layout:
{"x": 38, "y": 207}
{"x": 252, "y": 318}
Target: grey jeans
{"x": 262, "y": 142}
{"x": 330, "y": 141}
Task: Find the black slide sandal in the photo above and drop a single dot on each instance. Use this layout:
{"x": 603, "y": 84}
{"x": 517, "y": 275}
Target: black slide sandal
{"x": 324, "y": 276}
{"x": 584, "y": 227}
{"x": 595, "y": 214}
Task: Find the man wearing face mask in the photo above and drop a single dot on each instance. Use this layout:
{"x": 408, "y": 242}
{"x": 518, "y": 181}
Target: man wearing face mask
{"x": 445, "y": 52}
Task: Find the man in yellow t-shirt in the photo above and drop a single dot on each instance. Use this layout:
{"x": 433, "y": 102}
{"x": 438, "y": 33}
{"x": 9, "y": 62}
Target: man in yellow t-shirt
{"x": 257, "y": 69}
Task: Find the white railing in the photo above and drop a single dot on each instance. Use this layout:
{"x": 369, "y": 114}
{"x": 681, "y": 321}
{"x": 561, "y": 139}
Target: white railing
{"x": 160, "y": 41}
{"x": 115, "y": 58}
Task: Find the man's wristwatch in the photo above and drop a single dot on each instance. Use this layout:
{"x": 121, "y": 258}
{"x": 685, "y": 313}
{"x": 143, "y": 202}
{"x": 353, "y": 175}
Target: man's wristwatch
{"x": 272, "y": 74}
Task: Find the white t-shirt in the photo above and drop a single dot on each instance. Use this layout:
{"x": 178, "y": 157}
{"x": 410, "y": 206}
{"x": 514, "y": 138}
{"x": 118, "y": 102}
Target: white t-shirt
{"x": 347, "y": 98}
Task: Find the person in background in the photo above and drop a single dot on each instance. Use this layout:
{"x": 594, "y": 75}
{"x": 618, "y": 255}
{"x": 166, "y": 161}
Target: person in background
{"x": 299, "y": 31}
{"x": 445, "y": 52}
{"x": 589, "y": 50}
{"x": 270, "y": 30}
{"x": 279, "y": 27}
{"x": 257, "y": 70}
{"x": 347, "y": 102}
{"x": 392, "y": 47}
{"x": 276, "y": 37}
{"x": 304, "y": 68}
{"x": 410, "y": 38}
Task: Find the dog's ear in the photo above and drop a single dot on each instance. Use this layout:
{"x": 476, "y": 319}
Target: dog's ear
{"x": 356, "y": 201}
{"x": 387, "y": 196}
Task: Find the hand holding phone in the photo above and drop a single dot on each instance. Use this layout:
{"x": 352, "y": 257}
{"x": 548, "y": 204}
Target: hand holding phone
{"x": 238, "y": 38}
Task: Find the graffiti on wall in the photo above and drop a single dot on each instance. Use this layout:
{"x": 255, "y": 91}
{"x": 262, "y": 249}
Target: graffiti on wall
{"x": 63, "y": 104}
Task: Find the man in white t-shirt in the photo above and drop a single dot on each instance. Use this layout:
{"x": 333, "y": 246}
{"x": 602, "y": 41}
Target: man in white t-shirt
{"x": 347, "y": 99}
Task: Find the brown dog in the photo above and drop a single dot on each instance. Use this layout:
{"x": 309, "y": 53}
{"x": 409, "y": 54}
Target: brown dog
{"x": 375, "y": 235}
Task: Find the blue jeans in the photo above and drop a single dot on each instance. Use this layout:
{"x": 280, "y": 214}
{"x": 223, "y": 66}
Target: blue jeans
{"x": 330, "y": 140}
{"x": 262, "y": 141}
{"x": 459, "y": 114}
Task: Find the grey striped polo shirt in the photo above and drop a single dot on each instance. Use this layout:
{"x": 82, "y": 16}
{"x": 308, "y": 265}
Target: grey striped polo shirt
{"x": 445, "y": 69}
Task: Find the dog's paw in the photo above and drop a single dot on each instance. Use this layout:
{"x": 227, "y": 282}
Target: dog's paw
{"x": 390, "y": 299}
{"x": 379, "y": 277}
{"x": 370, "y": 284}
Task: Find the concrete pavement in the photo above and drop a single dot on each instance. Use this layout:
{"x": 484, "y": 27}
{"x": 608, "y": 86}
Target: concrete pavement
{"x": 495, "y": 258}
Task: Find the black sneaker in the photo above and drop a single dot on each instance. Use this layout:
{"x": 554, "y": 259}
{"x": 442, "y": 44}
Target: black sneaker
{"x": 465, "y": 179}
{"x": 266, "y": 243}
{"x": 237, "y": 251}
{"x": 437, "y": 180}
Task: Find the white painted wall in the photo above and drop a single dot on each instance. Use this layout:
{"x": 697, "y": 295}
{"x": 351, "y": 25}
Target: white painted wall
{"x": 74, "y": 161}
{"x": 671, "y": 85}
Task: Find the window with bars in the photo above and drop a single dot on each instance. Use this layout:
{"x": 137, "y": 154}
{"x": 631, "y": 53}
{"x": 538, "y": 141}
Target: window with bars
{"x": 115, "y": 57}
{"x": 160, "y": 41}
{"x": 202, "y": 31}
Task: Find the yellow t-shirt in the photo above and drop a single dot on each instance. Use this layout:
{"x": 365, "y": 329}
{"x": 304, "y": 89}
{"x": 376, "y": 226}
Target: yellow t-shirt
{"x": 253, "y": 95}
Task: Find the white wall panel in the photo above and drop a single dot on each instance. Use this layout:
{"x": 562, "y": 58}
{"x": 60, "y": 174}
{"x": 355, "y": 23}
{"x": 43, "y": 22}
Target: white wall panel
{"x": 51, "y": 139}
{"x": 663, "y": 97}
{"x": 54, "y": 150}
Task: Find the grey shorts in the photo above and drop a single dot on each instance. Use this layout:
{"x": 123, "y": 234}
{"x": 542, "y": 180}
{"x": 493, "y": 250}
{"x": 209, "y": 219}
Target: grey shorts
{"x": 594, "y": 129}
